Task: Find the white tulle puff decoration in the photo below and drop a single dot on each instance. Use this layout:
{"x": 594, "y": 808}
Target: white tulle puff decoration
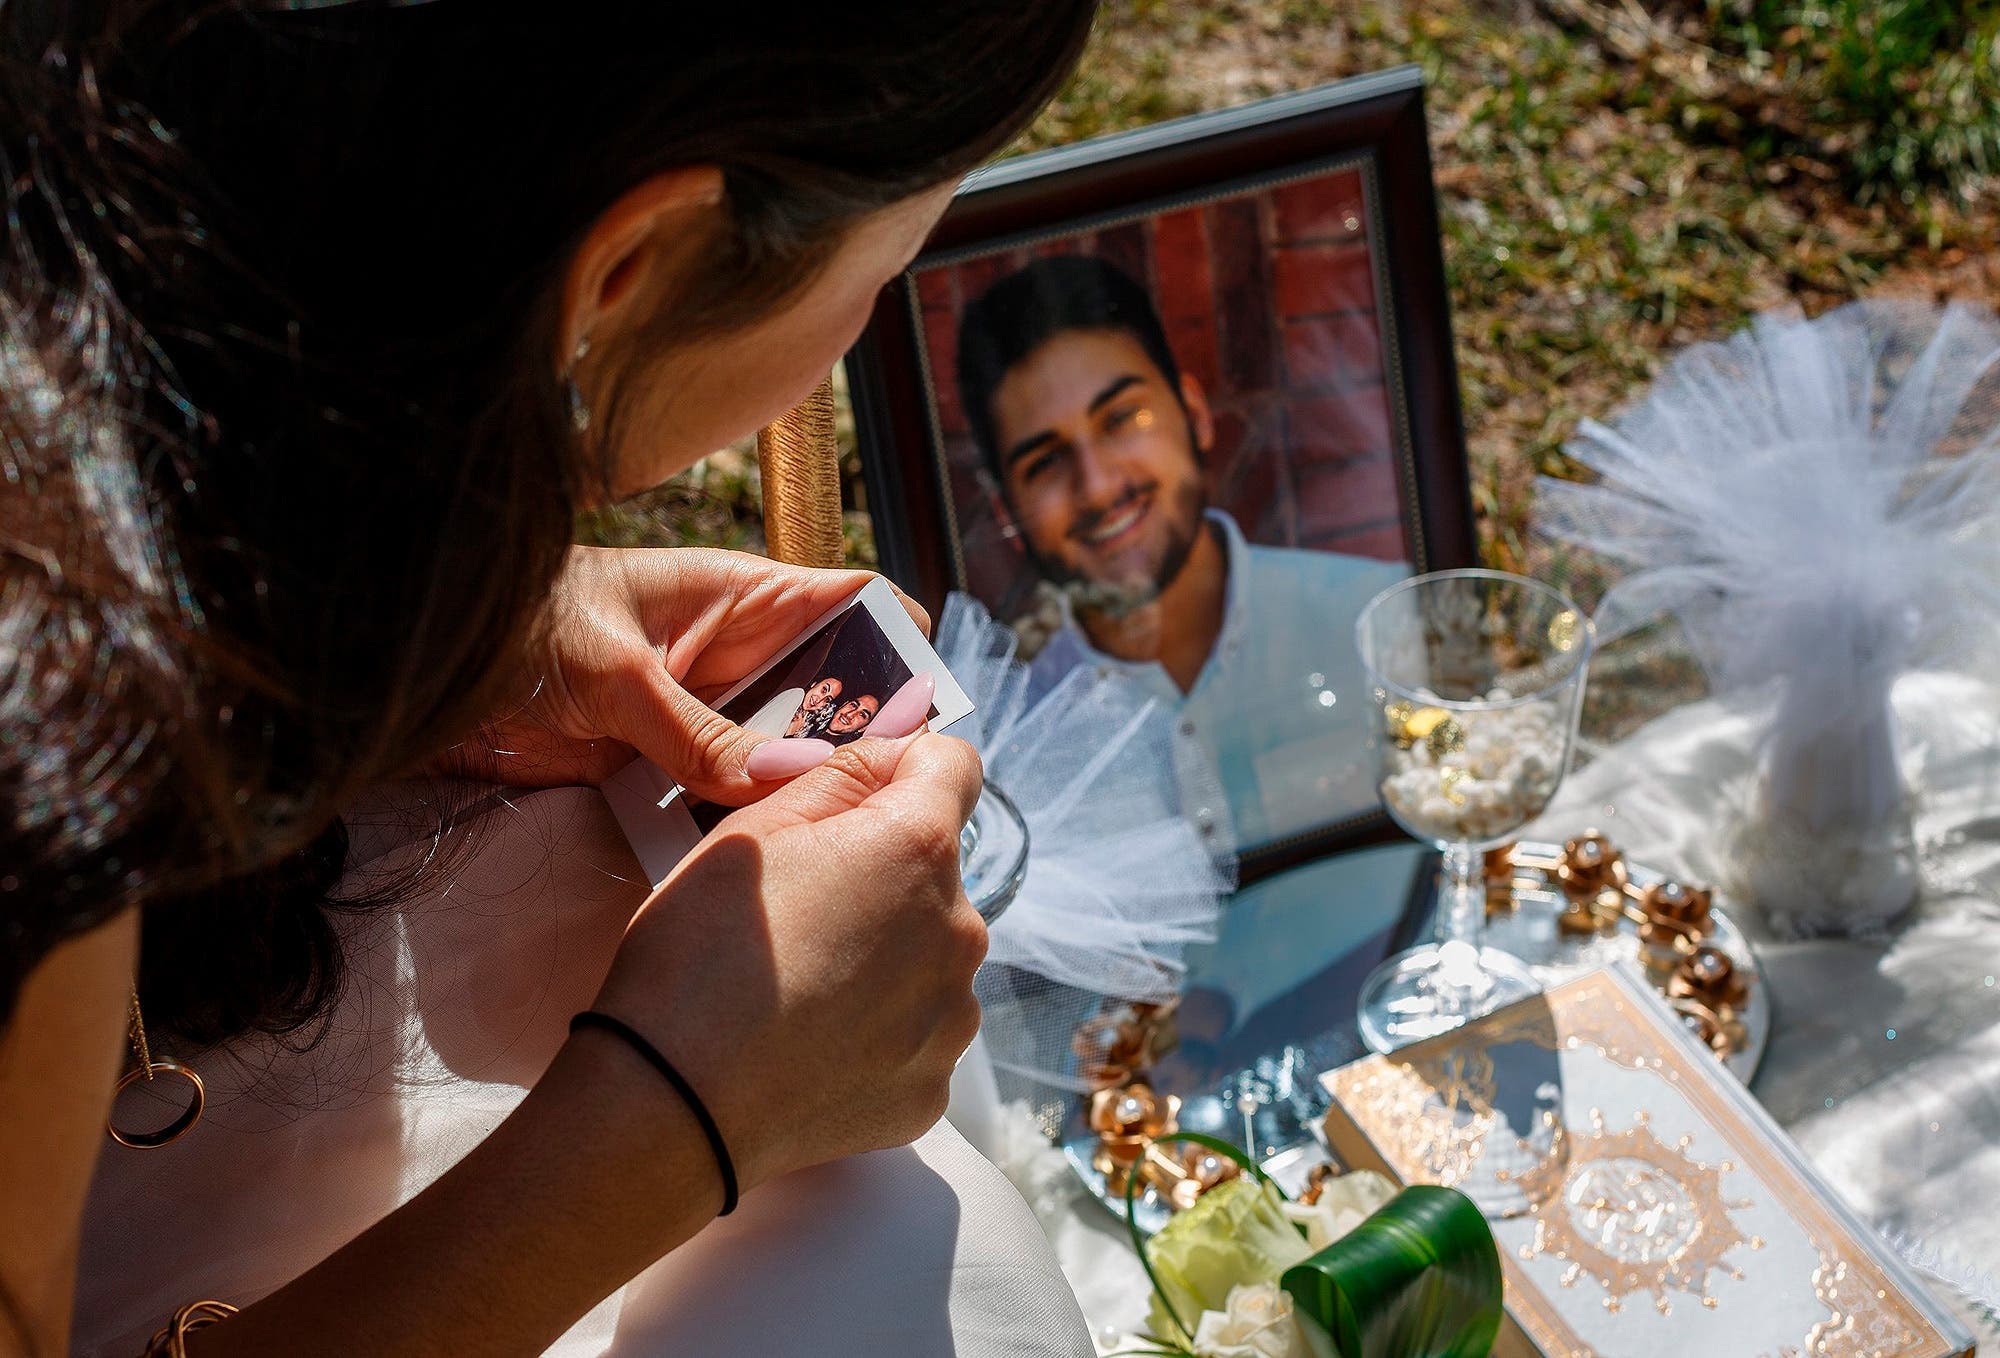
{"x": 1118, "y": 883}
{"x": 1818, "y": 503}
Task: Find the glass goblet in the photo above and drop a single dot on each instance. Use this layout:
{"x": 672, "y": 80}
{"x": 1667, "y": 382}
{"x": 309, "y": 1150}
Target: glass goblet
{"x": 1478, "y": 679}
{"x": 993, "y": 853}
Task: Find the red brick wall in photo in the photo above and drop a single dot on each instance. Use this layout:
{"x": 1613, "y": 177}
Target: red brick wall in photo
{"x": 1269, "y": 301}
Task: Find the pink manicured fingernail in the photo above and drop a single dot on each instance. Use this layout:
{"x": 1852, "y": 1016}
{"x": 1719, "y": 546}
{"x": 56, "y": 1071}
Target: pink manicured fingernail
{"x": 906, "y": 711}
{"x": 786, "y": 758}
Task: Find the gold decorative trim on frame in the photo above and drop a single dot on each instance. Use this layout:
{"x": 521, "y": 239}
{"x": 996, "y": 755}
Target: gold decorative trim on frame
{"x": 1376, "y": 1121}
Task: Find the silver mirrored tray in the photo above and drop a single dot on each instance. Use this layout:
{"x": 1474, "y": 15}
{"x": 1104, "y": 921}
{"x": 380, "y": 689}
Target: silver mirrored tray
{"x": 1276, "y": 1104}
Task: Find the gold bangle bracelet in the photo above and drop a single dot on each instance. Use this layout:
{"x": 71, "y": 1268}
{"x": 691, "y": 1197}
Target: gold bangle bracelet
{"x": 196, "y": 1315}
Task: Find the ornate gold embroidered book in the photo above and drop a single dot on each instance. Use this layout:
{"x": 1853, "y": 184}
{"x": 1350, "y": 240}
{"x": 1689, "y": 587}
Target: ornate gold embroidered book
{"x": 1645, "y": 1205}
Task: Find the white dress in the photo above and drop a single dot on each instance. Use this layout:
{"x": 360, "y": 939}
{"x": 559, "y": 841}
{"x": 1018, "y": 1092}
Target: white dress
{"x": 457, "y": 1001}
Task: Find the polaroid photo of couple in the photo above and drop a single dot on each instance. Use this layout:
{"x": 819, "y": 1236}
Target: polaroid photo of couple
{"x": 827, "y": 685}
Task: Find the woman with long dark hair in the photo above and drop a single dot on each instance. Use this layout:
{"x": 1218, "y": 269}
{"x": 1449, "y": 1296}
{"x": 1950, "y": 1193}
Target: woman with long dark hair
{"x": 317, "y": 327}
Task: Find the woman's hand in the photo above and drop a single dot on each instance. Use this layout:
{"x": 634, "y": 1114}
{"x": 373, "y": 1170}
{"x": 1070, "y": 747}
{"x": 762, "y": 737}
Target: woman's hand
{"x": 638, "y": 638}
{"x": 809, "y": 968}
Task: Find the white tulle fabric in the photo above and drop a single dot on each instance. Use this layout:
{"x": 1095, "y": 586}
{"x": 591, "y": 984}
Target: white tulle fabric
{"x": 1119, "y": 884}
{"x": 458, "y": 1001}
{"x": 1818, "y": 504}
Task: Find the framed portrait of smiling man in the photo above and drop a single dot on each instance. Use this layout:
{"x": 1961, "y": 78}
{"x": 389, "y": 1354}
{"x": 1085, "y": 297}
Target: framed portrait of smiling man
{"x": 1177, "y": 404}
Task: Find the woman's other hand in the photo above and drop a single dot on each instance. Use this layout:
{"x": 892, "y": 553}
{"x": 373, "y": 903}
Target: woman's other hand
{"x": 809, "y": 968}
{"x": 638, "y": 641}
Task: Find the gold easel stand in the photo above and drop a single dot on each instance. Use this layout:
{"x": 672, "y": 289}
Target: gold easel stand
{"x": 799, "y": 461}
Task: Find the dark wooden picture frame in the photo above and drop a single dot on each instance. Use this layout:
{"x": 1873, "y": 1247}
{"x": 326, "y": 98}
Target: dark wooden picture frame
{"x": 1373, "y": 124}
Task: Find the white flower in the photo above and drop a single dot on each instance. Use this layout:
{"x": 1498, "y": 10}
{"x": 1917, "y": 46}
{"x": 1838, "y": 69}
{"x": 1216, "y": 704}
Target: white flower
{"x": 1039, "y": 1170}
{"x": 1344, "y": 1203}
{"x": 1258, "y": 1324}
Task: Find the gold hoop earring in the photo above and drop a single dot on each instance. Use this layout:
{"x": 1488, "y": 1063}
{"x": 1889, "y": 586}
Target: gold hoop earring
{"x": 171, "y": 1342}
{"x": 146, "y": 1069}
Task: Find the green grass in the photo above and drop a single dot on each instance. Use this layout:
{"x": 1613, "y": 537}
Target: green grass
{"x": 1906, "y": 91}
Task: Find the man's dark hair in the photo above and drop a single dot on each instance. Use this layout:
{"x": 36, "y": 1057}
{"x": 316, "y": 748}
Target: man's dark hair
{"x": 1027, "y": 309}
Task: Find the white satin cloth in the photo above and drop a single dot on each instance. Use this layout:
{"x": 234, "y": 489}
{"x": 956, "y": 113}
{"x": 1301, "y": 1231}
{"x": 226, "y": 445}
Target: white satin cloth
{"x": 457, "y": 1002}
{"x": 1884, "y": 1061}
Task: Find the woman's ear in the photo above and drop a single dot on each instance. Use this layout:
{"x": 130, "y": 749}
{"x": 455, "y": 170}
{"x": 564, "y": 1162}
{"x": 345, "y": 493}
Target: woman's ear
{"x": 635, "y": 250}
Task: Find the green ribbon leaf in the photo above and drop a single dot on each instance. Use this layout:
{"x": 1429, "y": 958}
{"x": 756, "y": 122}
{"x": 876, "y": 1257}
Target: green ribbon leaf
{"x": 1419, "y": 1279}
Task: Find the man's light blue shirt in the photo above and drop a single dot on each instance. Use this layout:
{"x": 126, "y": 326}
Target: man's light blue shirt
{"x": 1272, "y": 740}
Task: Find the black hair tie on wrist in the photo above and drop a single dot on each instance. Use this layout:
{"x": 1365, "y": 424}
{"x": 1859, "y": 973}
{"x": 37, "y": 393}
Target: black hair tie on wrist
{"x": 591, "y": 1018}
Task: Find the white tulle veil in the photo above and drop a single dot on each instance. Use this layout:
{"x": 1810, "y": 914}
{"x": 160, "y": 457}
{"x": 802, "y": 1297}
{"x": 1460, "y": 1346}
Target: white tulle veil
{"x": 1119, "y": 884}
